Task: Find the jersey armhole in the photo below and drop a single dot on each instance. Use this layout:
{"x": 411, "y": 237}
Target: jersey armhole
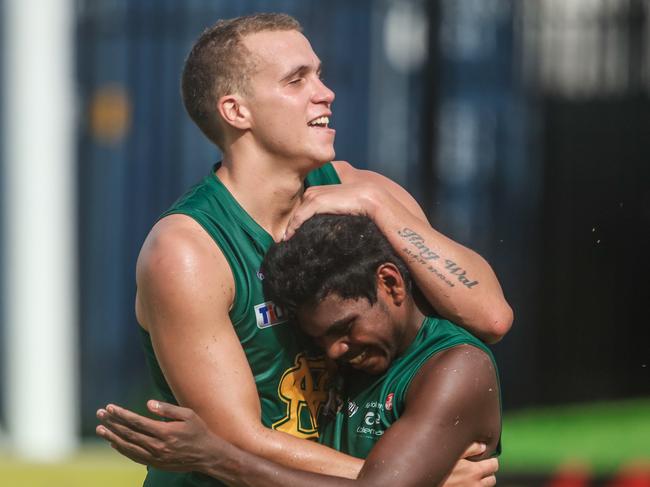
{"x": 428, "y": 356}
{"x": 232, "y": 311}
{"x": 485, "y": 350}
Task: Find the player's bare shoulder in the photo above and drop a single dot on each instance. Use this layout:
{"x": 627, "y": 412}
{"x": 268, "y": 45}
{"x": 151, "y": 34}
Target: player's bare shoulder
{"x": 465, "y": 367}
{"x": 178, "y": 260}
{"x": 175, "y": 243}
{"x": 348, "y": 174}
{"x": 461, "y": 385}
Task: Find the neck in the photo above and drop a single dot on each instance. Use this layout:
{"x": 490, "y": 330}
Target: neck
{"x": 413, "y": 322}
{"x": 268, "y": 188}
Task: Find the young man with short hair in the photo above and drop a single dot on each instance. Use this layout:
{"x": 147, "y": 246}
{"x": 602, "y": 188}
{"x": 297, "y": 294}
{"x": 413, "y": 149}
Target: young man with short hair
{"x": 214, "y": 341}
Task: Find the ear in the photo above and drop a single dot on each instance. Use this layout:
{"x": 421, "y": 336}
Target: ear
{"x": 234, "y": 112}
{"x": 391, "y": 282}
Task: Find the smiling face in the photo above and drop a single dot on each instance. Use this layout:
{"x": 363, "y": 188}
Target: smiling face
{"x": 342, "y": 280}
{"x": 366, "y": 336}
{"x": 289, "y": 105}
{"x": 351, "y": 331}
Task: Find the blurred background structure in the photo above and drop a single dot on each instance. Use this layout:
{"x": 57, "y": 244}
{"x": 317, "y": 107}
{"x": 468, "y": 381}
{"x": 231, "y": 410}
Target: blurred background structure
{"x": 522, "y": 127}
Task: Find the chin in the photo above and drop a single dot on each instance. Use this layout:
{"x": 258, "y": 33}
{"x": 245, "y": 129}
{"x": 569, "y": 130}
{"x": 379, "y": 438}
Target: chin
{"x": 325, "y": 155}
{"x": 320, "y": 161}
{"x": 317, "y": 160}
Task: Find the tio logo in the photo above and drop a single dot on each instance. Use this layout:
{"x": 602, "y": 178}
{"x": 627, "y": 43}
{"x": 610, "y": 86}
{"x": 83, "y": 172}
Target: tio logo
{"x": 268, "y": 314}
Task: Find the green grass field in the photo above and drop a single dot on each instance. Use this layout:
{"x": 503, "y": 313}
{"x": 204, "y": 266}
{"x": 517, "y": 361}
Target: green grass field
{"x": 96, "y": 465}
{"x": 602, "y": 436}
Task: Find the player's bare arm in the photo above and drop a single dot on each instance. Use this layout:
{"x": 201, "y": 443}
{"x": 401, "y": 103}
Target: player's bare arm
{"x": 185, "y": 290}
{"x": 452, "y": 401}
{"x": 184, "y": 443}
{"x": 457, "y": 281}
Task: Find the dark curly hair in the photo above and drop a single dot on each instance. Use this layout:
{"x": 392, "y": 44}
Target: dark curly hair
{"x": 328, "y": 254}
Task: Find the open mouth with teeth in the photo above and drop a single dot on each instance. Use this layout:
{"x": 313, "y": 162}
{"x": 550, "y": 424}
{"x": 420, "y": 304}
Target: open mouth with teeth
{"x": 360, "y": 357}
{"x": 322, "y": 122}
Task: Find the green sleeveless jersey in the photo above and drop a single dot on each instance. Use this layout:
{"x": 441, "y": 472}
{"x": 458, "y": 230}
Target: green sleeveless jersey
{"x": 290, "y": 381}
{"x": 373, "y": 403}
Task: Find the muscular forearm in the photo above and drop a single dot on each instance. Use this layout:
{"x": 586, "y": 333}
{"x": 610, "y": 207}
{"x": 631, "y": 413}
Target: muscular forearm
{"x": 295, "y": 453}
{"x": 457, "y": 281}
{"x": 185, "y": 444}
{"x": 237, "y": 467}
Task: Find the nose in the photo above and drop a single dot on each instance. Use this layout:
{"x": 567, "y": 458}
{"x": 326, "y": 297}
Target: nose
{"x": 323, "y": 94}
{"x": 334, "y": 347}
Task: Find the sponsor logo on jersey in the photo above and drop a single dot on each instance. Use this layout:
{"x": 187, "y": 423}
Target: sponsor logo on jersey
{"x": 260, "y": 275}
{"x": 371, "y": 418}
{"x": 388, "y": 404}
{"x": 371, "y": 426}
{"x": 269, "y": 314}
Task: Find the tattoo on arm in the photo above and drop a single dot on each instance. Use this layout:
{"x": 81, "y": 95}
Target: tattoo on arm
{"x": 419, "y": 252}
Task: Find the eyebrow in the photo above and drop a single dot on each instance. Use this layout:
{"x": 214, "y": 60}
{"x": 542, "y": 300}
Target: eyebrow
{"x": 339, "y": 325}
{"x": 300, "y": 70}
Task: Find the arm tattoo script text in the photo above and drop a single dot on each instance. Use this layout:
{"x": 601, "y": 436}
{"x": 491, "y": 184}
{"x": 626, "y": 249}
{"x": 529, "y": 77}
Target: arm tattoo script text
{"x": 421, "y": 253}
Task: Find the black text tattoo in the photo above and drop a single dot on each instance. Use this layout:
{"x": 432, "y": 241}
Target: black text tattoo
{"x": 422, "y": 254}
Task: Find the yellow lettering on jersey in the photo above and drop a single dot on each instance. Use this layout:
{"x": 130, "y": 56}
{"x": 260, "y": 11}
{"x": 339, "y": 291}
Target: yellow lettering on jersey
{"x": 303, "y": 389}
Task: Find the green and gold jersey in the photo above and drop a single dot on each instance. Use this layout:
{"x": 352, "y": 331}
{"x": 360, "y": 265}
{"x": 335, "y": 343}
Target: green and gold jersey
{"x": 371, "y": 403}
{"x": 291, "y": 382}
